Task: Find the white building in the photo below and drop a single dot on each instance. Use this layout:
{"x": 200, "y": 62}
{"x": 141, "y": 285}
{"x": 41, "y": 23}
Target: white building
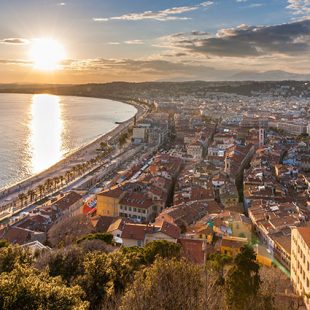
{"x": 139, "y": 134}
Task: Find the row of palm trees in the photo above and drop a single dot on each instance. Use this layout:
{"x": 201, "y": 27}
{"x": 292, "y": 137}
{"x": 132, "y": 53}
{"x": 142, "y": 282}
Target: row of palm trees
{"x": 56, "y": 183}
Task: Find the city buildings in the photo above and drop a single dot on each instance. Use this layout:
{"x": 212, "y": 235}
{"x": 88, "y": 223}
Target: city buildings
{"x": 300, "y": 262}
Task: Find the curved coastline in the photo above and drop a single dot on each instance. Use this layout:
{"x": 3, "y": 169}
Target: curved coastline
{"x": 83, "y": 153}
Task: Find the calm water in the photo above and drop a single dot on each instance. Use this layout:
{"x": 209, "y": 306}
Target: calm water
{"x": 38, "y": 130}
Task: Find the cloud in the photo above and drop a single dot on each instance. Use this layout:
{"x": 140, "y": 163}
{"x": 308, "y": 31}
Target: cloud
{"x": 255, "y": 5}
{"x": 134, "y": 42}
{"x": 18, "y": 41}
{"x": 114, "y": 43}
{"x": 192, "y": 33}
{"x": 163, "y": 15}
{"x": 146, "y": 69}
{"x": 173, "y": 68}
{"x": 299, "y": 7}
{"x": 61, "y": 4}
{"x": 287, "y": 39}
{"x": 100, "y": 19}
{"x": 20, "y": 62}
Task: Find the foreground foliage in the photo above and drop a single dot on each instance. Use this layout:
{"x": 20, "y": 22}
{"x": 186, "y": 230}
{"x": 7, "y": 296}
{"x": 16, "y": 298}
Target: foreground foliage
{"x": 26, "y": 288}
{"x": 86, "y": 276}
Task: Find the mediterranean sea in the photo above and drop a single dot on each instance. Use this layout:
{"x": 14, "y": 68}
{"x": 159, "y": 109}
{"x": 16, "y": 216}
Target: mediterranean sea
{"x": 37, "y": 131}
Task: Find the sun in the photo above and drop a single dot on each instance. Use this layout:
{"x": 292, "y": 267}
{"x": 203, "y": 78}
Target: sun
{"x": 46, "y": 54}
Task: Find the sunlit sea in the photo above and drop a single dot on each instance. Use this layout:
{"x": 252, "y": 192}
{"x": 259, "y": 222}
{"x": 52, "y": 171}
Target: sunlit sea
{"x": 36, "y": 131}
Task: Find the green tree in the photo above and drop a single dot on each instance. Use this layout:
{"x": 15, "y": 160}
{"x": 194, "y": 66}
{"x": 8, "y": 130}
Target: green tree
{"x": 162, "y": 248}
{"x": 243, "y": 280}
{"x": 124, "y": 265}
{"x": 13, "y": 255}
{"x": 217, "y": 262}
{"x": 106, "y": 237}
{"x": 96, "y": 280}
{"x": 106, "y": 276}
{"x": 26, "y": 288}
{"x": 4, "y": 243}
{"x": 166, "y": 285}
{"x": 65, "y": 262}
{"x": 95, "y": 245}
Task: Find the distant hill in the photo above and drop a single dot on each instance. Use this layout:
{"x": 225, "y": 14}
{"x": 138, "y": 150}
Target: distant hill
{"x": 276, "y": 75}
{"x": 125, "y": 90}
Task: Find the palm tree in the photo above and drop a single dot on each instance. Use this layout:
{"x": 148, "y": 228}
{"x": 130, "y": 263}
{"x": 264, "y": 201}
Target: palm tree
{"x": 61, "y": 179}
{"x": 79, "y": 168}
{"x": 48, "y": 184}
{"x": 41, "y": 189}
{"x": 31, "y": 194}
{"x": 84, "y": 166}
{"x": 103, "y": 145}
{"x": 74, "y": 171}
{"x": 67, "y": 175}
{"x": 55, "y": 181}
{"x": 22, "y": 197}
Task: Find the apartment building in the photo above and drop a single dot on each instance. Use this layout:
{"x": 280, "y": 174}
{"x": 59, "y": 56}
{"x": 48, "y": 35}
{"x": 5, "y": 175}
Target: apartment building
{"x": 300, "y": 262}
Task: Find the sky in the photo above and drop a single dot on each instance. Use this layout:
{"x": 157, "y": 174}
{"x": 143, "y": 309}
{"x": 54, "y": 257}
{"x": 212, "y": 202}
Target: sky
{"x": 148, "y": 40}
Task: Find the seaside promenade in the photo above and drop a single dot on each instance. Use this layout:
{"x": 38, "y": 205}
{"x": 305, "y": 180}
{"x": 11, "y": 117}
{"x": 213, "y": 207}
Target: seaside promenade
{"x": 14, "y": 200}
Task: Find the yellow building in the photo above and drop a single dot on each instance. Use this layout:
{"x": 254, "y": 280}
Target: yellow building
{"x": 263, "y": 257}
{"x": 108, "y": 202}
{"x": 300, "y": 262}
{"x": 233, "y": 224}
{"x": 231, "y": 245}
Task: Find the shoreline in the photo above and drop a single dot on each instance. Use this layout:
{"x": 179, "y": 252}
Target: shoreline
{"x": 80, "y": 155}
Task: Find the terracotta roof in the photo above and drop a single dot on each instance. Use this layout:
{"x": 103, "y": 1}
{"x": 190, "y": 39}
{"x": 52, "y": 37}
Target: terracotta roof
{"x": 305, "y": 233}
{"x": 102, "y": 223}
{"x": 193, "y": 194}
{"x": 171, "y": 230}
{"x": 283, "y": 240}
{"x": 115, "y": 192}
{"x": 137, "y": 200}
{"x": 118, "y": 224}
{"x": 232, "y": 243}
{"x": 193, "y": 250}
{"x": 135, "y": 231}
{"x": 36, "y": 222}
{"x": 15, "y": 234}
{"x": 67, "y": 201}
{"x": 186, "y": 213}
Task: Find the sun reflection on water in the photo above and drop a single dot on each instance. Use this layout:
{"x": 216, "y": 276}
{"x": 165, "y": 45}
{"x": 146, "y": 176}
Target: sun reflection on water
{"x": 46, "y": 128}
